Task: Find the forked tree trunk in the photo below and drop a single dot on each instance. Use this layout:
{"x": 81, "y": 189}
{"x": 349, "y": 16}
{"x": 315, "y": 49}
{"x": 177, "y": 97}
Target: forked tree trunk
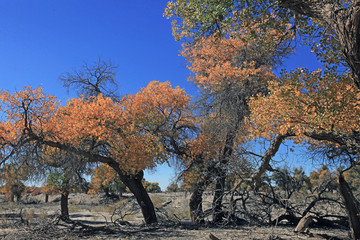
{"x": 352, "y": 207}
{"x": 64, "y": 203}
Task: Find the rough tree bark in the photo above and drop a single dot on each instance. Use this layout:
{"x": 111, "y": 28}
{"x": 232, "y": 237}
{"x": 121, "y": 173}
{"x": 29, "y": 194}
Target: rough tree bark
{"x": 134, "y": 183}
{"x": 352, "y": 207}
{"x": 218, "y": 213}
{"x": 12, "y": 197}
{"x": 195, "y": 204}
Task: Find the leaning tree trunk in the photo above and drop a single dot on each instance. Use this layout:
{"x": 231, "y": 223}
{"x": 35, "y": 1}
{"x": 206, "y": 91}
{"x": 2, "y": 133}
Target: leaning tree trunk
{"x": 64, "y": 203}
{"x": 134, "y": 183}
{"x": 107, "y": 191}
{"x": 352, "y": 207}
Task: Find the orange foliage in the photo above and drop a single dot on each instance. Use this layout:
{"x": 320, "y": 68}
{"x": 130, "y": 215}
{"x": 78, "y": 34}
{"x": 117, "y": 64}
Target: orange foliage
{"x": 217, "y": 63}
{"x": 102, "y": 178}
{"x": 306, "y": 101}
{"x": 323, "y": 178}
{"x": 131, "y": 128}
{"x": 27, "y": 108}
{"x": 13, "y": 178}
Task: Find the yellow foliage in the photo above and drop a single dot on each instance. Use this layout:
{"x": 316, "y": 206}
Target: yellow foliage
{"x": 303, "y": 101}
{"x": 131, "y": 128}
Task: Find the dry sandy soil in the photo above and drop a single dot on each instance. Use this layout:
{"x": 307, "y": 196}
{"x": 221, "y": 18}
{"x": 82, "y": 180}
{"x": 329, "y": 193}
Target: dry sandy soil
{"x": 34, "y": 219}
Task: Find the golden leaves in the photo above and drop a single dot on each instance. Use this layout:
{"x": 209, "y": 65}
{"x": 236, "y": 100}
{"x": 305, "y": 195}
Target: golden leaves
{"x": 304, "y": 100}
{"x": 217, "y": 62}
{"x": 130, "y": 128}
{"x": 29, "y": 108}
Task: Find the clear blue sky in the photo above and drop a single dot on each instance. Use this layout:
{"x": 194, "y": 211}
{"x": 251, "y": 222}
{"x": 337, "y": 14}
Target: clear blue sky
{"x": 40, "y": 39}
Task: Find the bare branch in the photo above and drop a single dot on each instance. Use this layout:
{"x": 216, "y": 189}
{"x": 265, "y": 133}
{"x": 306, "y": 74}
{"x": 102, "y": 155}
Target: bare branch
{"x": 93, "y": 79}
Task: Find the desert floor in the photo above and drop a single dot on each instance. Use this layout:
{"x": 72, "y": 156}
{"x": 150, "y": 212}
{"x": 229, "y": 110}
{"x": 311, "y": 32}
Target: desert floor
{"x": 105, "y": 218}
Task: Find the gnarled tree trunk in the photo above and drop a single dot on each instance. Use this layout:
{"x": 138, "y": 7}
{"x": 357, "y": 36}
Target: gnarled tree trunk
{"x": 134, "y": 183}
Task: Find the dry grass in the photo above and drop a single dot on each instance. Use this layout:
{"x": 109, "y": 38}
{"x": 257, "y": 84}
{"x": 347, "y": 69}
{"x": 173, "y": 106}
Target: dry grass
{"x": 97, "y": 212}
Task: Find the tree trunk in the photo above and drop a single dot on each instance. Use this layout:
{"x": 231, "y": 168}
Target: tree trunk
{"x": 64, "y": 205}
{"x": 352, "y": 207}
{"x": 195, "y": 204}
{"x": 12, "y": 197}
{"x": 18, "y": 197}
{"x": 218, "y": 213}
{"x": 107, "y": 191}
{"x": 134, "y": 183}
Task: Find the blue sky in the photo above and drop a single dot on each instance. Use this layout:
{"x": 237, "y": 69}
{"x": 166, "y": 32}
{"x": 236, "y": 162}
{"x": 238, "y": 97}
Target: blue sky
{"x": 41, "y": 39}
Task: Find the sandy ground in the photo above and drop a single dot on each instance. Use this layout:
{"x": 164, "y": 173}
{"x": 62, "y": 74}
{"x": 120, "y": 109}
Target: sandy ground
{"x": 34, "y": 219}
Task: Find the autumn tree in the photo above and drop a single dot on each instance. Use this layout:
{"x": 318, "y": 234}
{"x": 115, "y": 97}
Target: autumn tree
{"x": 128, "y": 135}
{"x": 90, "y": 80}
{"x": 105, "y": 179}
{"x": 151, "y": 187}
{"x": 66, "y": 174}
{"x": 13, "y": 176}
{"x": 329, "y": 28}
{"x": 173, "y": 187}
{"x": 229, "y": 70}
{"x": 231, "y": 61}
{"x": 319, "y": 108}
